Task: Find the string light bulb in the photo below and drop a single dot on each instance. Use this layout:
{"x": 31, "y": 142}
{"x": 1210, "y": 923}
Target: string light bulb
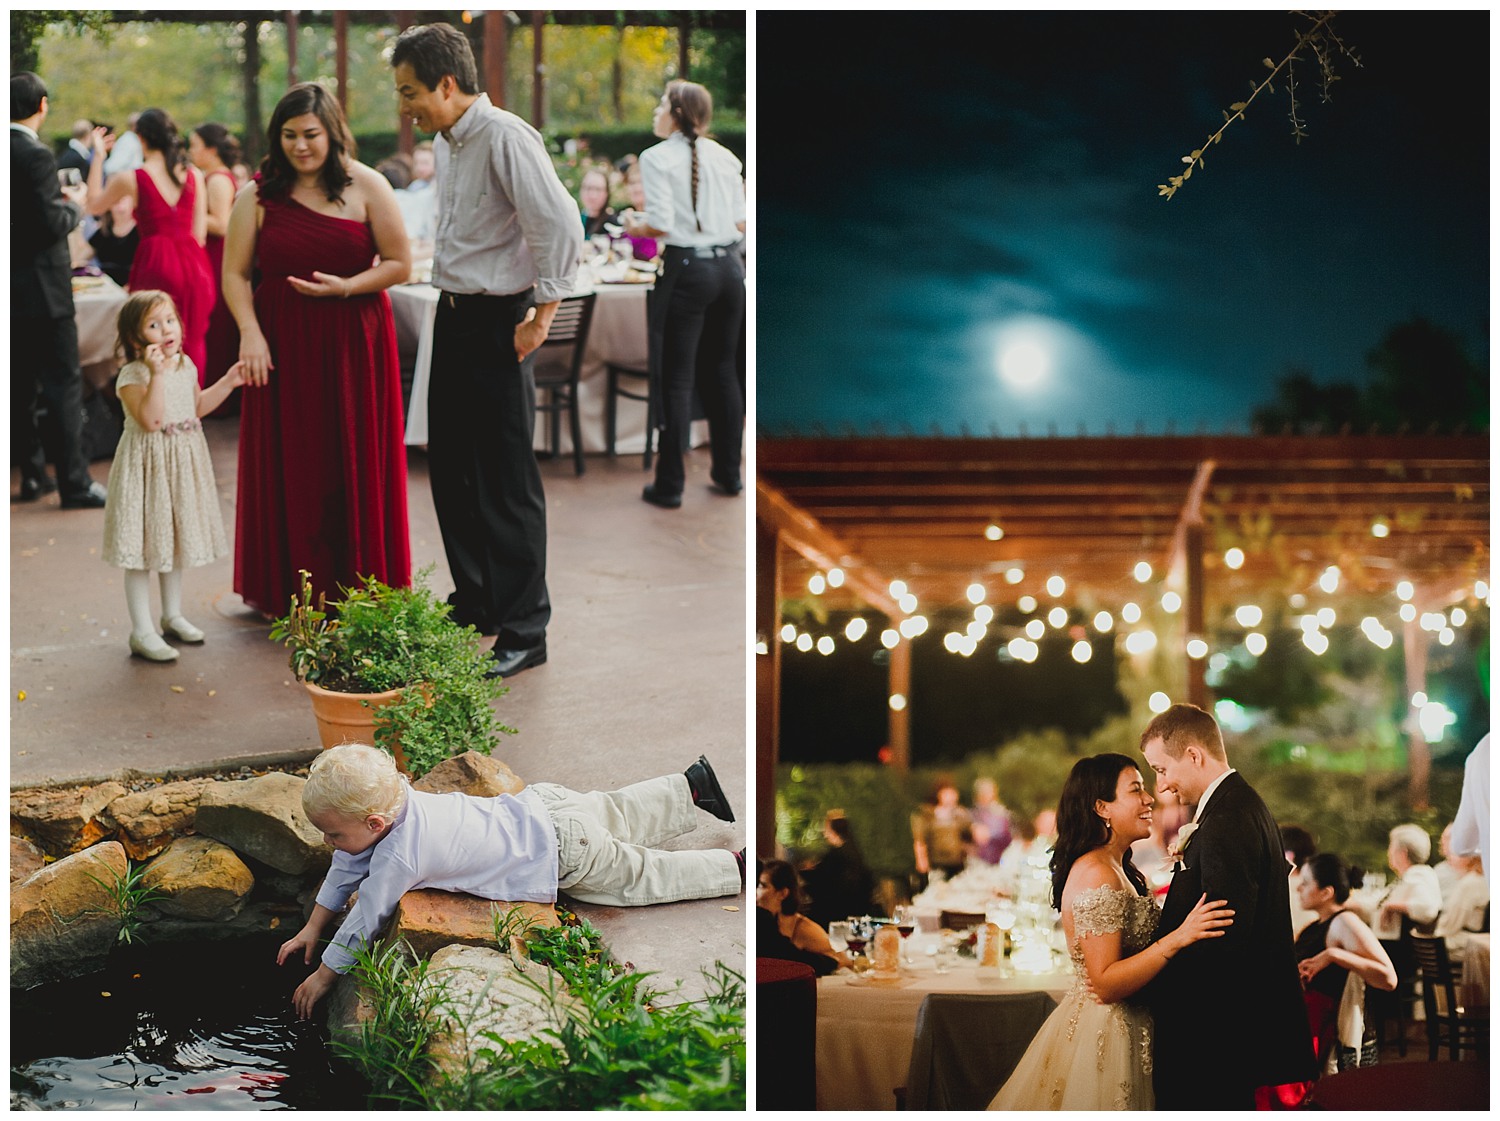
{"x": 992, "y": 532}
{"x": 825, "y": 645}
{"x": 1056, "y": 585}
{"x": 976, "y": 593}
{"x": 1142, "y": 572}
{"x": 1255, "y": 642}
{"x": 816, "y": 583}
{"x": 855, "y": 628}
{"x": 1235, "y": 558}
{"x": 835, "y": 577}
{"x": 1014, "y": 575}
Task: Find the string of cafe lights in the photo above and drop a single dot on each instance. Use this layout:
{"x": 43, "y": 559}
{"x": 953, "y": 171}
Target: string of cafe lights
{"x": 1141, "y": 640}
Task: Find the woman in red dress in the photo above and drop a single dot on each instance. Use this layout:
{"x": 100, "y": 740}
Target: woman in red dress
{"x": 171, "y": 210}
{"x": 214, "y": 151}
{"x": 322, "y": 469}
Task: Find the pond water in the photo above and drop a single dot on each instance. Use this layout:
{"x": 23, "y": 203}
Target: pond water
{"x": 206, "y": 1025}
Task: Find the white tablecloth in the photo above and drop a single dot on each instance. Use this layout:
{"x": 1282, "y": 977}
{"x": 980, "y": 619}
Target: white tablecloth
{"x": 95, "y": 310}
{"x": 618, "y": 334}
{"x": 866, "y": 1028}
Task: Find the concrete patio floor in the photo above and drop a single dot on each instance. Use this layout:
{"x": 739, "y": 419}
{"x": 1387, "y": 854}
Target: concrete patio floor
{"x": 647, "y": 667}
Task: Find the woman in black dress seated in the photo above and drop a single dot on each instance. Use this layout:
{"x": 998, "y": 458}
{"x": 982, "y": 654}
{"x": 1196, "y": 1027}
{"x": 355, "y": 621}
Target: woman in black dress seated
{"x": 1336, "y": 944}
{"x": 841, "y": 884}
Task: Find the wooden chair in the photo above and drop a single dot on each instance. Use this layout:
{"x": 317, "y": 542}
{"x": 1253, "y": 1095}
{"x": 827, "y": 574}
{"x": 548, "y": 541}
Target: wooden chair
{"x": 966, "y": 1045}
{"x": 1447, "y": 1018}
{"x": 1382, "y": 1007}
{"x": 558, "y": 373}
{"x": 615, "y": 372}
{"x": 961, "y": 920}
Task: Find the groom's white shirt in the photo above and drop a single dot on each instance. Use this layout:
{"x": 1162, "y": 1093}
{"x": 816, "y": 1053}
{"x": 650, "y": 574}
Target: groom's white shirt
{"x": 1209, "y": 793}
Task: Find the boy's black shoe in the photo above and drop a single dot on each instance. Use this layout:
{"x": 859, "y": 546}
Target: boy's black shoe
{"x": 707, "y": 794}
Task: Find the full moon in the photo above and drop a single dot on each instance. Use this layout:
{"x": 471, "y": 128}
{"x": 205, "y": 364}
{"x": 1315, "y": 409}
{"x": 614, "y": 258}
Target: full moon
{"x": 1024, "y": 363}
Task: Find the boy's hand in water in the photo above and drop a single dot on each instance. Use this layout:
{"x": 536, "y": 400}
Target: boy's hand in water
{"x": 314, "y": 989}
{"x": 303, "y": 940}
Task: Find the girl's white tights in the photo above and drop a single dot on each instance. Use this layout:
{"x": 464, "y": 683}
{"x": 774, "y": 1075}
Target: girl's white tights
{"x": 138, "y": 599}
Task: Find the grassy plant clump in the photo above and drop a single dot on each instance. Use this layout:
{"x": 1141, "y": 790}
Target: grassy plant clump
{"x": 391, "y": 1049}
{"x": 127, "y": 896}
{"x": 616, "y": 1046}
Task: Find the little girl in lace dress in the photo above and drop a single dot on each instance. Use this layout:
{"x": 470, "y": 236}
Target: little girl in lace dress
{"x": 163, "y": 510}
{"x": 1094, "y": 1051}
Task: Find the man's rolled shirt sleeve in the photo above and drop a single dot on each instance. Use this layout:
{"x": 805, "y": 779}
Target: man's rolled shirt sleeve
{"x": 547, "y": 215}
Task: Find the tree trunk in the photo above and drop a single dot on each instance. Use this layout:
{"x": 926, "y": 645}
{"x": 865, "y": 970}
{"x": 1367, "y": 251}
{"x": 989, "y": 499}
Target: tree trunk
{"x": 253, "y": 134}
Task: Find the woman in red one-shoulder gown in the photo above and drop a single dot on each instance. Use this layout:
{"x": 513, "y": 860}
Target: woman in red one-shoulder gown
{"x": 322, "y": 468}
{"x": 171, "y": 254}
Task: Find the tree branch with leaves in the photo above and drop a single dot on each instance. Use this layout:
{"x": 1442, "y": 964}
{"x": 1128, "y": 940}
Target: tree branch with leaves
{"x": 1318, "y": 37}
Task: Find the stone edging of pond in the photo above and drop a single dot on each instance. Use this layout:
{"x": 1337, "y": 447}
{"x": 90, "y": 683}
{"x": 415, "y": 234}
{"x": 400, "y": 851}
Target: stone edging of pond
{"x": 227, "y": 854}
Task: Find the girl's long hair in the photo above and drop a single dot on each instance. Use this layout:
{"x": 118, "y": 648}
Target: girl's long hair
{"x": 1079, "y": 829}
{"x": 133, "y": 315}
{"x": 158, "y": 130}
{"x": 692, "y": 108}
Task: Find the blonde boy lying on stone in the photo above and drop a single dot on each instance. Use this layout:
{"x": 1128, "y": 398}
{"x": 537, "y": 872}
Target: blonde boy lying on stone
{"x": 389, "y": 839}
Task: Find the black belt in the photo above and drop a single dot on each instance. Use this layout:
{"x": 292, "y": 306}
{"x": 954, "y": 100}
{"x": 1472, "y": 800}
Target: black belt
{"x": 462, "y": 299}
{"x": 705, "y": 250}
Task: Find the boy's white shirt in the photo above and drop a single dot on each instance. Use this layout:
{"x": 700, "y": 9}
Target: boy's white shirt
{"x": 496, "y": 848}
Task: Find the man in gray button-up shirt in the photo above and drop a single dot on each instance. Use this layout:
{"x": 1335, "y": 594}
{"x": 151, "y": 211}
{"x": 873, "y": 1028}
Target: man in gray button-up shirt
{"x": 507, "y": 246}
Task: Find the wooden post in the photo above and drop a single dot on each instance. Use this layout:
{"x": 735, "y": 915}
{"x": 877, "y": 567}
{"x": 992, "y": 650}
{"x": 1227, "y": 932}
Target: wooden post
{"x": 900, "y": 721}
{"x": 1415, "y": 642}
{"x": 254, "y": 134}
{"x": 404, "y": 139}
{"x": 291, "y": 49}
{"x": 684, "y": 37}
{"x": 538, "y": 79}
{"x": 496, "y": 46}
{"x": 617, "y": 77}
{"x": 1197, "y": 687}
{"x": 341, "y": 56}
{"x": 767, "y": 684}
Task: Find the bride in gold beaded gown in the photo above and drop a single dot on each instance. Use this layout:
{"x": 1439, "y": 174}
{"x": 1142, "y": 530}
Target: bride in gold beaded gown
{"x": 1094, "y": 1051}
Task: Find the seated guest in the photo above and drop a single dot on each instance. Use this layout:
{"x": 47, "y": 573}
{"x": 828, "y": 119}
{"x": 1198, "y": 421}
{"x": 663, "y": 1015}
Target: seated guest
{"x": 771, "y": 943}
{"x": 1299, "y": 846}
{"x": 1416, "y": 894}
{"x": 423, "y": 166}
{"x": 593, "y": 200}
{"x": 1334, "y": 947}
{"x": 1026, "y": 848}
{"x": 777, "y": 891}
{"x": 642, "y": 248}
{"x": 1464, "y": 903}
{"x": 115, "y": 241}
{"x": 1447, "y": 871}
{"x": 840, "y": 884}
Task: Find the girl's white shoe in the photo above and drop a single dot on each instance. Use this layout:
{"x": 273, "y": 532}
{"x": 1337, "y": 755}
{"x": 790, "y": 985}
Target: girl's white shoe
{"x": 180, "y": 628}
{"x": 152, "y": 648}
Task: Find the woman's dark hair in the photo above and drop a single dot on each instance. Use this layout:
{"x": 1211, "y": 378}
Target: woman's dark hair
{"x": 1329, "y": 869}
{"x": 158, "y": 130}
{"x": 1299, "y": 842}
{"x": 783, "y": 875}
{"x": 221, "y": 140}
{"x": 277, "y": 176}
{"x": 435, "y": 49}
{"x": 692, "y": 108}
{"x": 1079, "y": 828}
{"x": 839, "y": 827}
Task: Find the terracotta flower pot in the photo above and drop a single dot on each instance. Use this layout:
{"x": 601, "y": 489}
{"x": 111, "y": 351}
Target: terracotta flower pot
{"x": 349, "y": 717}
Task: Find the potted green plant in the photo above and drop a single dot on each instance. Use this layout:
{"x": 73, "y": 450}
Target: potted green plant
{"x": 402, "y": 671}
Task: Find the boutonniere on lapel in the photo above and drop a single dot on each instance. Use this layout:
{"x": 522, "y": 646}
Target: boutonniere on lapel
{"x": 1180, "y": 843}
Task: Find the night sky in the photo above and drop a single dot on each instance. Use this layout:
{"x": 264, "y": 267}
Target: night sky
{"x": 935, "y": 191}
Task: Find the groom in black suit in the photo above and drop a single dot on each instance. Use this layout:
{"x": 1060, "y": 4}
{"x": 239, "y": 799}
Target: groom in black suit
{"x": 1228, "y": 1011}
{"x": 43, "y": 333}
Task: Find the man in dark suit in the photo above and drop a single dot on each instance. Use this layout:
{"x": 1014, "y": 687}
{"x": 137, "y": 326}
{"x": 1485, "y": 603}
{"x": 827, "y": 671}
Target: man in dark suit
{"x": 43, "y": 333}
{"x": 78, "y": 154}
{"x": 1228, "y": 1011}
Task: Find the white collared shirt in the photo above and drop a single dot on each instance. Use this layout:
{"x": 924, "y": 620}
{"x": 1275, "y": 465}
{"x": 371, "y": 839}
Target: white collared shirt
{"x": 667, "y": 180}
{"x": 17, "y": 126}
{"x": 505, "y": 222}
{"x": 496, "y": 848}
{"x": 1209, "y": 793}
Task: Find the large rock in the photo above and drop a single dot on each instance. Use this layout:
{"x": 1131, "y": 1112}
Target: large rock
{"x": 262, "y": 817}
{"x": 64, "y": 919}
{"x": 25, "y": 858}
{"x": 470, "y": 773}
{"x": 198, "y": 878}
{"x": 429, "y": 919}
{"x": 489, "y": 991}
{"x": 65, "y": 821}
{"x": 148, "y": 821}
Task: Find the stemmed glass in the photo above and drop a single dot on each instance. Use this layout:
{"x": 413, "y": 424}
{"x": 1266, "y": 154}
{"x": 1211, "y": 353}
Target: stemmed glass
{"x": 905, "y": 917}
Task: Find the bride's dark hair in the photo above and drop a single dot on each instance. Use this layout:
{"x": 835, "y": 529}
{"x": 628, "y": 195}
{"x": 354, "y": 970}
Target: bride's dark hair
{"x": 1079, "y": 828}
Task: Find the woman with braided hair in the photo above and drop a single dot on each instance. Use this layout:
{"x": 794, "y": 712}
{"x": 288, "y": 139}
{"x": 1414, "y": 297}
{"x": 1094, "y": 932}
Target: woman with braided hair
{"x": 695, "y": 203}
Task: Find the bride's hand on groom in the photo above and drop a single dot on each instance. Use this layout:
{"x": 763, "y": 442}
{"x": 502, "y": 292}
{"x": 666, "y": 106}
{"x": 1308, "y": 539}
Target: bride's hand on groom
{"x": 1205, "y": 920}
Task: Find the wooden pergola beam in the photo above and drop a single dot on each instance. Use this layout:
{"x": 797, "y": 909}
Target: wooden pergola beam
{"x": 804, "y": 534}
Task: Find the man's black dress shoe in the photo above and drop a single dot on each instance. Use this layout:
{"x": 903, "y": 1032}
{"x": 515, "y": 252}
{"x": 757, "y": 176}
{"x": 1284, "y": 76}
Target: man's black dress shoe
{"x": 508, "y": 663}
{"x": 731, "y": 487}
{"x": 32, "y": 489}
{"x": 708, "y": 795}
{"x": 91, "y": 499}
{"x": 661, "y": 498}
